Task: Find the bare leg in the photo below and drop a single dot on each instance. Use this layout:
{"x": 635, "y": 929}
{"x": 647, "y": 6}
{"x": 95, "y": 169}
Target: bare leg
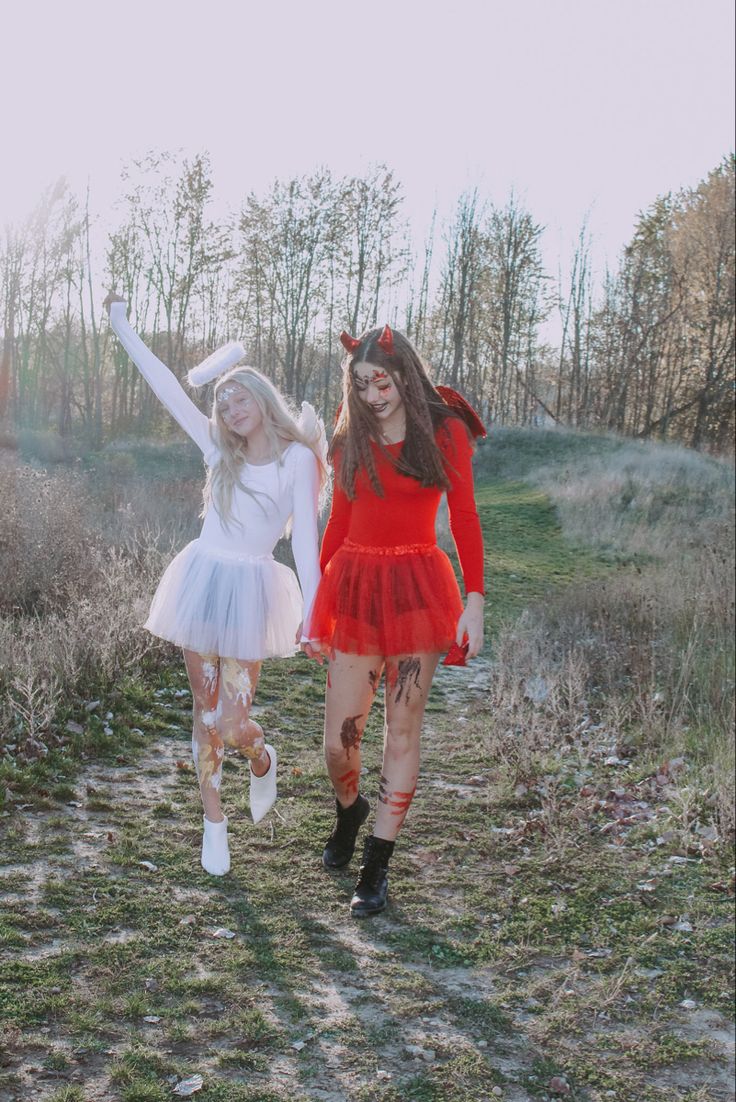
{"x": 238, "y": 681}
{"x": 208, "y": 749}
{"x": 408, "y": 681}
{"x": 352, "y": 681}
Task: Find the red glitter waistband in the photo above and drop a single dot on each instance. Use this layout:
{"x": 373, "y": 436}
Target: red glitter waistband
{"x": 397, "y": 549}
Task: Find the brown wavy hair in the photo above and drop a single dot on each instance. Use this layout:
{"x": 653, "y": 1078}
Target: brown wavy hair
{"x": 357, "y": 424}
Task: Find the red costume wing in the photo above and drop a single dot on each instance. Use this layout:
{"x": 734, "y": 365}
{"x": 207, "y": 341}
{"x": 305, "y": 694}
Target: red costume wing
{"x": 456, "y": 401}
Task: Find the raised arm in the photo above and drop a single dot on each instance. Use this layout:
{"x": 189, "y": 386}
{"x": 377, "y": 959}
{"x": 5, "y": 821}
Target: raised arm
{"x": 163, "y": 382}
{"x": 304, "y": 535}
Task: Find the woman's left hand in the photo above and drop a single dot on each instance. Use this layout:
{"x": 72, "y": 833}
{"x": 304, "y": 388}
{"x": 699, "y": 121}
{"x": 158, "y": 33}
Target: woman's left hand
{"x": 470, "y": 624}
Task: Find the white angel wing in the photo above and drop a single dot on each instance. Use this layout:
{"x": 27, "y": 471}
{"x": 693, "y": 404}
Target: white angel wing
{"x": 313, "y": 428}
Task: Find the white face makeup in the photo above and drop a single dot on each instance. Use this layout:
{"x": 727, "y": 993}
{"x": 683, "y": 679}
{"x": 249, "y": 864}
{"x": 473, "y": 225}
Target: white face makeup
{"x": 239, "y": 409}
{"x": 377, "y": 389}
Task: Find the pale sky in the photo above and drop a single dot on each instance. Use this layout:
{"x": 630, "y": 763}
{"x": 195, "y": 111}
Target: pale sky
{"x": 581, "y": 106}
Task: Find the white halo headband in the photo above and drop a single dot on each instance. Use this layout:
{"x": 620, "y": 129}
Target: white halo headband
{"x": 217, "y": 363}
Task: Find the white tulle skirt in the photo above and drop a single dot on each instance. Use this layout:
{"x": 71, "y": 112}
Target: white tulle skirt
{"x": 235, "y": 606}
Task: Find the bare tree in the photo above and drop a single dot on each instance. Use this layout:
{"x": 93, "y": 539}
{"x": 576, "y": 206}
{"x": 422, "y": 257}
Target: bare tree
{"x": 702, "y": 244}
{"x": 181, "y": 245}
{"x": 284, "y": 252}
{"x": 517, "y": 294}
{"x": 575, "y": 304}
{"x": 374, "y": 250}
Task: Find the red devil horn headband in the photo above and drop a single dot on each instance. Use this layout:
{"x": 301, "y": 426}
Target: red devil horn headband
{"x": 386, "y": 341}
{"x": 349, "y": 343}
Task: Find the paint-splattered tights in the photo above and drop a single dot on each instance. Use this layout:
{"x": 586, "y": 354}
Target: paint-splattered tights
{"x": 222, "y": 693}
{"x": 352, "y": 684}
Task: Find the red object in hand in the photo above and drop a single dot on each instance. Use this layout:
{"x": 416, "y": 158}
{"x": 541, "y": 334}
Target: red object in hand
{"x": 456, "y": 655}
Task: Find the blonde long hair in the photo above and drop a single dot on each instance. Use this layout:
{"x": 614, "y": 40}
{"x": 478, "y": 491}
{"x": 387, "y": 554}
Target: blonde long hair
{"x": 281, "y": 427}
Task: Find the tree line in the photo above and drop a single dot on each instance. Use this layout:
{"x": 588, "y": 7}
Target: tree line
{"x": 649, "y": 353}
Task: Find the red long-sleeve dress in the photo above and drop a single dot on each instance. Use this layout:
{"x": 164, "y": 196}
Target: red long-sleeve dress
{"x": 386, "y": 587}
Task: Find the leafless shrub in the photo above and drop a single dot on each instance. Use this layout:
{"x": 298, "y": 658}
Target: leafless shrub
{"x": 86, "y": 646}
{"x": 33, "y": 700}
{"x": 46, "y": 538}
{"x": 71, "y": 603}
{"x": 722, "y": 797}
{"x": 643, "y": 657}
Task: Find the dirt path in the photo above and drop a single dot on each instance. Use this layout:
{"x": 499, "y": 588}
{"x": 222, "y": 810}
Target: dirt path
{"x": 492, "y": 975}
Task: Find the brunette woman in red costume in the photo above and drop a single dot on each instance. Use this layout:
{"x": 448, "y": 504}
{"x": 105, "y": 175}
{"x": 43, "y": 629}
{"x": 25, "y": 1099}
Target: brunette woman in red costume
{"x": 388, "y": 599}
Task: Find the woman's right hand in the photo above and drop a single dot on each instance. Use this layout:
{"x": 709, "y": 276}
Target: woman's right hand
{"x": 112, "y": 297}
{"x": 313, "y": 649}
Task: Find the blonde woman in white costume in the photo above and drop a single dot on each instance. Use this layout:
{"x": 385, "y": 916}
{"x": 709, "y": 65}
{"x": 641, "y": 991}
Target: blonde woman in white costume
{"x": 224, "y": 599}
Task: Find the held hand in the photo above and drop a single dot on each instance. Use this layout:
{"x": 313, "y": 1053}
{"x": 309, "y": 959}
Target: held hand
{"x": 470, "y": 624}
{"x": 313, "y": 650}
{"x": 112, "y": 297}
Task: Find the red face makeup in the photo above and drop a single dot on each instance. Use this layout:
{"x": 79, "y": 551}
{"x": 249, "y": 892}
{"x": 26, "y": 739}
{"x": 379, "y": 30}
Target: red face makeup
{"x": 376, "y": 388}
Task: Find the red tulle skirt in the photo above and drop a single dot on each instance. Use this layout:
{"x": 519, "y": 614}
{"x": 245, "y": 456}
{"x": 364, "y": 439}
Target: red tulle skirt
{"x": 387, "y": 600}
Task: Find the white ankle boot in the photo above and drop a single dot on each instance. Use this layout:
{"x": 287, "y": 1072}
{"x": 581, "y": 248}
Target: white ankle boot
{"x": 263, "y": 789}
{"x": 215, "y": 852}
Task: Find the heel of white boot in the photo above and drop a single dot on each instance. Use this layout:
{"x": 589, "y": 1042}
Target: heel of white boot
{"x": 263, "y": 789}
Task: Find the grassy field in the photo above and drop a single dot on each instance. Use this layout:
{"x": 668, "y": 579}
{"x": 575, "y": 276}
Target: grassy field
{"x": 561, "y": 917}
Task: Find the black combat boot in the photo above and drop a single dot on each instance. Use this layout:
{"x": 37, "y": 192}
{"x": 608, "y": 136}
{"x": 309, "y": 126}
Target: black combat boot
{"x": 340, "y": 846}
{"x": 371, "y": 890}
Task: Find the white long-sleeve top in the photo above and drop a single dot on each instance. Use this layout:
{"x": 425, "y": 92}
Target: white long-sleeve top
{"x": 285, "y": 488}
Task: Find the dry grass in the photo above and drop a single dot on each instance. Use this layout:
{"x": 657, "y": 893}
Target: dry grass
{"x": 77, "y": 571}
{"x": 647, "y": 499}
{"x": 644, "y": 659}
